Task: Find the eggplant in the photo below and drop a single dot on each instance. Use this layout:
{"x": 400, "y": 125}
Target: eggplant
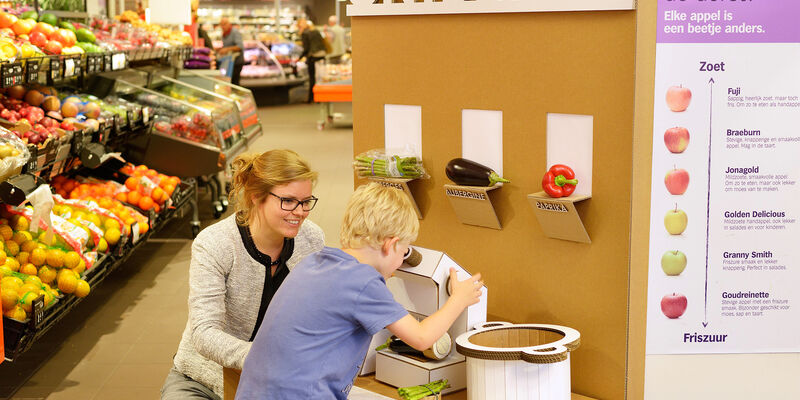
{"x": 469, "y": 173}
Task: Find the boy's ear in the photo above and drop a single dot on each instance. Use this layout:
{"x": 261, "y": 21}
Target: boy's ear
{"x": 388, "y": 244}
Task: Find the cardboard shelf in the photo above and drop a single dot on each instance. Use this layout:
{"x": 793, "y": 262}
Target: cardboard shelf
{"x": 473, "y": 205}
{"x": 402, "y": 184}
{"x": 558, "y": 217}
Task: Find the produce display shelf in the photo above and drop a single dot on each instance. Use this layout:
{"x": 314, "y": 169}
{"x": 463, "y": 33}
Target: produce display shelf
{"x": 20, "y": 336}
{"x": 252, "y": 132}
{"x": 56, "y": 67}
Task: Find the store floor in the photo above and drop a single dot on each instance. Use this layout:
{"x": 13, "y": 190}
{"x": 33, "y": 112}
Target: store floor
{"x": 119, "y": 342}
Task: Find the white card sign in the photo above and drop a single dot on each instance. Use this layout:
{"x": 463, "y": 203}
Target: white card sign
{"x": 417, "y": 7}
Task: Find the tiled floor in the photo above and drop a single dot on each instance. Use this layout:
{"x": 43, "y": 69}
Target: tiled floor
{"x": 119, "y": 342}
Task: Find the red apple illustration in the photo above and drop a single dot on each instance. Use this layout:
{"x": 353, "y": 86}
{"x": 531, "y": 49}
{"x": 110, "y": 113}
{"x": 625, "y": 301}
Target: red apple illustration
{"x": 673, "y": 305}
{"x": 676, "y": 139}
{"x": 677, "y": 181}
{"x": 678, "y": 98}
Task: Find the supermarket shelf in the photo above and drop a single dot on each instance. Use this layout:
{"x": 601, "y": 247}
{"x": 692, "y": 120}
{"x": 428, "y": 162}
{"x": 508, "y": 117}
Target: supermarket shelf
{"x": 66, "y": 14}
{"x": 20, "y": 336}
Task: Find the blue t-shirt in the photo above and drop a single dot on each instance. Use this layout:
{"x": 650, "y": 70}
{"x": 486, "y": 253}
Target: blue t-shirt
{"x": 317, "y": 330}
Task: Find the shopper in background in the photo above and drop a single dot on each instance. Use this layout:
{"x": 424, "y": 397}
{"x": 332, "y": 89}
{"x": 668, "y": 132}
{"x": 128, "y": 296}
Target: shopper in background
{"x": 237, "y": 265}
{"x": 313, "y": 51}
{"x": 335, "y": 34}
{"x": 321, "y": 321}
{"x": 232, "y": 43}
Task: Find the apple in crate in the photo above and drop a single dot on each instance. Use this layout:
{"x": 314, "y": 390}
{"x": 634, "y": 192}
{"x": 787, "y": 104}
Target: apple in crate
{"x": 677, "y": 181}
{"x": 676, "y": 139}
{"x": 676, "y": 221}
{"x": 674, "y": 305}
{"x": 678, "y": 98}
{"x": 673, "y": 262}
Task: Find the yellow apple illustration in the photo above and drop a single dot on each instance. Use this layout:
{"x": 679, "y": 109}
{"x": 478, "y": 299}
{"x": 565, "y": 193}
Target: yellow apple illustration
{"x": 675, "y": 221}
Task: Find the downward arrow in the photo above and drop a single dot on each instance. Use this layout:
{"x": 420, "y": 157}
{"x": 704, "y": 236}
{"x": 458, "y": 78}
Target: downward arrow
{"x": 708, "y": 199}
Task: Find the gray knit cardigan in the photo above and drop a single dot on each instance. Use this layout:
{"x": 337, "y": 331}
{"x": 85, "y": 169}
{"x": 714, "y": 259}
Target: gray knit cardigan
{"x": 225, "y": 287}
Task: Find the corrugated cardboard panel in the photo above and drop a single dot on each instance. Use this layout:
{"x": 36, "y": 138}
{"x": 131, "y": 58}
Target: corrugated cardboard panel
{"x": 525, "y": 65}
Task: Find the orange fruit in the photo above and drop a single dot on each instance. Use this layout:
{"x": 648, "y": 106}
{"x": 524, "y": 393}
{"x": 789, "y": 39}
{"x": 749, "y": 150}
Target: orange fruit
{"x": 134, "y": 197}
{"x": 82, "y": 288}
{"x": 47, "y": 274}
{"x": 12, "y": 248}
{"x": 131, "y": 183}
{"x": 146, "y": 203}
{"x": 122, "y": 196}
{"x": 17, "y": 313}
{"x": 112, "y": 236}
{"x": 71, "y": 259}
{"x": 143, "y": 228}
{"x": 38, "y": 257}
{"x": 23, "y": 257}
{"x": 104, "y": 202}
{"x": 168, "y": 189}
{"x": 12, "y": 263}
{"x": 68, "y": 283}
{"x": 9, "y": 299}
{"x": 28, "y": 269}
{"x": 158, "y": 195}
{"x": 55, "y": 258}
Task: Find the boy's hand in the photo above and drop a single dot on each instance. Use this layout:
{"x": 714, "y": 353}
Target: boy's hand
{"x": 466, "y": 292}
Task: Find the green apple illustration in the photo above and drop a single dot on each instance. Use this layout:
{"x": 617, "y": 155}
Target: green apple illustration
{"x": 675, "y": 221}
{"x": 673, "y": 262}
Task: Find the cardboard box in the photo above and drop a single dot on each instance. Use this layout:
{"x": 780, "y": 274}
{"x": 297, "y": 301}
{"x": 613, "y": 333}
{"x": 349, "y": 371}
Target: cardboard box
{"x": 422, "y": 290}
{"x": 402, "y": 371}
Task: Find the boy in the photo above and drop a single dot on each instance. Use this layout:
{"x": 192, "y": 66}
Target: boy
{"x": 319, "y": 325}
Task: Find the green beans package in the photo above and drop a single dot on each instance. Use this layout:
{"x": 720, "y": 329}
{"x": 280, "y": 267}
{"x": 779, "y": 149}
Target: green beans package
{"x": 388, "y": 164}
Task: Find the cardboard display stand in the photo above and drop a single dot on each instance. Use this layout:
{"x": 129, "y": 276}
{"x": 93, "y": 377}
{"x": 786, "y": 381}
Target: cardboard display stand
{"x": 473, "y": 205}
{"x": 558, "y": 217}
{"x": 401, "y": 184}
{"x": 422, "y": 290}
{"x": 523, "y": 361}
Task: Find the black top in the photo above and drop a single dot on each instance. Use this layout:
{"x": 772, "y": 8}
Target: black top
{"x": 312, "y": 42}
{"x": 271, "y": 283}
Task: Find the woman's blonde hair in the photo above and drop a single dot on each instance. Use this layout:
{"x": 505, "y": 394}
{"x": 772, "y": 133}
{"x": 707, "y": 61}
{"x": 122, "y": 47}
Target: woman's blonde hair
{"x": 375, "y": 213}
{"x": 254, "y": 176}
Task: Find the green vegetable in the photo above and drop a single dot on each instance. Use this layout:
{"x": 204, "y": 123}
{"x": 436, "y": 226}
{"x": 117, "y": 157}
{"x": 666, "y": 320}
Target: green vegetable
{"x": 85, "y": 35}
{"x": 418, "y": 392}
{"x": 32, "y": 14}
{"x": 396, "y": 167}
{"x": 68, "y": 26}
{"x": 49, "y": 19}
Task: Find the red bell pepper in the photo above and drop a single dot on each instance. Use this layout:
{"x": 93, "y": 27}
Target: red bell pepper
{"x": 559, "y": 181}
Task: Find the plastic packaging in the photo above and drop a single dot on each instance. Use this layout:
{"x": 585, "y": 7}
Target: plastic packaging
{"x": 13, "y": 154}
{"x": 389, "y": 164}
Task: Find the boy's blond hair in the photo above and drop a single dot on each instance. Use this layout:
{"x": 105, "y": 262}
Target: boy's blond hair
{"x": 375, "y": 213}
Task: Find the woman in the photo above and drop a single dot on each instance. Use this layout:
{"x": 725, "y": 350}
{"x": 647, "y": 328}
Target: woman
{"x": 313, "y": 51}
{"x": 237, "y": 266}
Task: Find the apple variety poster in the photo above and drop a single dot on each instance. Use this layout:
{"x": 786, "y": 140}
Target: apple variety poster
{"x": 724, "y": 266}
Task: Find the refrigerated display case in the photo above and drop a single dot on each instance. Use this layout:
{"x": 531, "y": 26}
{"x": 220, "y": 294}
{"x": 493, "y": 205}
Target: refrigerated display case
{"x": 263, "y": 68}
{"x": 242, "y": 97}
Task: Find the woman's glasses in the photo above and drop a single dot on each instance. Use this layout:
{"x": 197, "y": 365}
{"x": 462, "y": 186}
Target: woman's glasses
{"x": 290, "y": 204}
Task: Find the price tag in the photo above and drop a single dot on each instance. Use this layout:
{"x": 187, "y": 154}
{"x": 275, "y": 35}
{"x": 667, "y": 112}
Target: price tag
{"x": 106, "y": 62}
{"x": 69, "y": 68}
{"x": 32, "y": 71}
{"x": 41, "y": 159}
{"x": 11, "y": 74}
{"x": 55, "y": 69}
{"x": 31, "y": 166}
{"x": 38, "y": 311}
{"x": 118, "y": 61}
